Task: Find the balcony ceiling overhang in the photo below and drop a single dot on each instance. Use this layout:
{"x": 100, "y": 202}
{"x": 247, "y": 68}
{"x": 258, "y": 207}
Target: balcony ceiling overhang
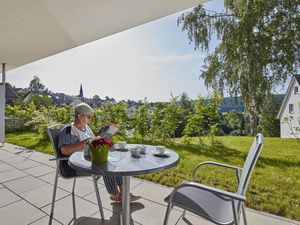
{"x": 35, "y": 29}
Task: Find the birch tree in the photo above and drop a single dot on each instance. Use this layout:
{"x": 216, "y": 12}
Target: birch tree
{"x": 259, "y": 47}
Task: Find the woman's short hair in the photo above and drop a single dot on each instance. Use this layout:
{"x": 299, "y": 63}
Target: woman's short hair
{"x": 83, "y": 108}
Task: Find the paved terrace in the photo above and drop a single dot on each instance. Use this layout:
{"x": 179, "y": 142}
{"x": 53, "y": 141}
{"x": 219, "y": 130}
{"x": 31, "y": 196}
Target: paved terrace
{"x": 26, "y": 184}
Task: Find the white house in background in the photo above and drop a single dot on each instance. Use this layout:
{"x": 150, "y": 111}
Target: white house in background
{"x": 289, "y": 112}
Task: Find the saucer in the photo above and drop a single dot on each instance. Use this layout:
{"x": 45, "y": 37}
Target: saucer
{"x": 121, "y": 149}
{"x": 158, "y": 154}
{"x": 136, "y": 156}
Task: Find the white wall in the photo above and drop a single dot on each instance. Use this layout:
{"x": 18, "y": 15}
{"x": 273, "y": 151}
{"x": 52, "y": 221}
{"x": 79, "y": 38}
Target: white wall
{"x": 287, "y": 129}
{"x": 2, "y": 113}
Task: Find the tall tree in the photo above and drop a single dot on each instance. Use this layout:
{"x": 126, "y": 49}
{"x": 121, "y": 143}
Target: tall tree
{"x": 234, "y": 119}
{"x": 171, "y": 118}
{"x": 36, "y": 85}
{"x": 269, "y": 125}
{"x": 259, "y": 47}
{"x": 140, "y": 120}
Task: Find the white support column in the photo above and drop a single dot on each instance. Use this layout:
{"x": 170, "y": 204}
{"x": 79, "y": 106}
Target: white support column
{"x": 2, "y": 107}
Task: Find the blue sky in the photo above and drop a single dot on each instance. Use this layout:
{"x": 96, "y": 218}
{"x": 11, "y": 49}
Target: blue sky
{"x": 152, "y": 60}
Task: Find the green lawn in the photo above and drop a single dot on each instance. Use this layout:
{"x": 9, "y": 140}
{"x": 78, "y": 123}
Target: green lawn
{"x": 274, "y": 186}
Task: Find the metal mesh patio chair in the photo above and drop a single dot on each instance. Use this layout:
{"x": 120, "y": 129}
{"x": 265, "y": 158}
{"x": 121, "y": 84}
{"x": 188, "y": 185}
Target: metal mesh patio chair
{"x": 64, "y": 171}
{"x": 213, "y": 204}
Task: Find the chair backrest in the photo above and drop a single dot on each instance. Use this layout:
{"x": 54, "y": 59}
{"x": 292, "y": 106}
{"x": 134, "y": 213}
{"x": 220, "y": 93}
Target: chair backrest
{"x": 250, "y": 162}
{"x": 64, "y": 169}
{"x": 53, "y": 133}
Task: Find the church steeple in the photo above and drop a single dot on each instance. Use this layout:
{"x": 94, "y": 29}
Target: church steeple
{"x": 80, "y": 92}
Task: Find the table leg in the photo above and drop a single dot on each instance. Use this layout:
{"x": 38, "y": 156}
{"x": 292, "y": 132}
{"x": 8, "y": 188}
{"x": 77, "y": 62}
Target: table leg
{"x": 126, "y": 201}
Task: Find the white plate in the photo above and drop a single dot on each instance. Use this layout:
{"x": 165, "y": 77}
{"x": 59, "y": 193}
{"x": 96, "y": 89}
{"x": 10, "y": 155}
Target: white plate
{"x": 157, "y": 153}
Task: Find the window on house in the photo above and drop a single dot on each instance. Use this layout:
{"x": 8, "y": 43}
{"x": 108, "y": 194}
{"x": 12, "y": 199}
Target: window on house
{"x": 291, "y": 108}
{"x": 296, "y": 91}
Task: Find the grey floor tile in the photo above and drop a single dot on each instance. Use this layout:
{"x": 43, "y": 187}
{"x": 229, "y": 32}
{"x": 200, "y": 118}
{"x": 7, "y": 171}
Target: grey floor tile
{"x": 153, "y": 192}
{"x": 257, "y": 218}
{"x": 39, "y": 170}
{"x": 13, "y": 148}
{"x": 4, "y": 154}
{"x": 49, "y": 162}
{"x": 27, "y": 163}
{"x": 110, "y": 218}
{"x": 49, "y": 178}
{"x": 135, "y": 182}
{"x": 10, "y": 174}
{"x": 5, "y": 167}
{"x": 193, "y": 220}
{"x": 19, "y": 212}
{"x": 253, "y": 217}
{"x": 42, "y": 196}
{"x": 65, "y": 184}
{"x": 11, "y": 159}
{"x": 63, "y": 211}
{"x": 149, "y": 213}
{"x": 25, "y": 153}
{"x": 7, "y": 197}
{"x": 24, "y": 184}
{"x": 42, "y": 158}
{"x": 84, "y": 185}
{"x": 100, "y": 180}
{"x": 44, "y": 221}
{"x": 106, "y": 202}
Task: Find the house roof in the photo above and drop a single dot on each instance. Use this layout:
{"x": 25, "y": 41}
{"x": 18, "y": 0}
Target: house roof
{"x": 295, "y": 78}
{"x": 33, "y": 30}
{"x": 9, "y": 92}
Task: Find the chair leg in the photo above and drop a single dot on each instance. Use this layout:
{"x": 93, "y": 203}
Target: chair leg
{"x": 235, "y": 216}
{"x": 53, "y": 196}
{"x": 186, "y": 220}
{"x": 167, "y": 213}
{"x": 98, "y": 196}
{"x": 73, "y": 199}
{"x": 183, "y": 214}
{"x": 244, "y": 214}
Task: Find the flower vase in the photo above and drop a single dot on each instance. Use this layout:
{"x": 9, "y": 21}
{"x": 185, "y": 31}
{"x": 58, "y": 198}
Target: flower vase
{"x": 99, "y": 154}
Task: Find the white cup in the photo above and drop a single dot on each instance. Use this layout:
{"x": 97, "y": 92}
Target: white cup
{"x": 160, "y": 149}
{"x": 142, "y": 149}
{"x": 121, "y": 144}
{"x": 135, "y": 152}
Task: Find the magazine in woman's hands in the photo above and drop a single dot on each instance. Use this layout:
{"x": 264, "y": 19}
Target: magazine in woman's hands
{"x": 108, "y": 130}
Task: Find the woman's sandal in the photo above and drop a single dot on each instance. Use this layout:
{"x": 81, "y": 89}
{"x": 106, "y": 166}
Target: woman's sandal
{"x": 133, "y": 198}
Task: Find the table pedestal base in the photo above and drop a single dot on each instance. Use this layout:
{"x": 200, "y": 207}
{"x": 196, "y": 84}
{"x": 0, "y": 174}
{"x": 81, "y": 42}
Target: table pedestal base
{"x": 125, "y": 217}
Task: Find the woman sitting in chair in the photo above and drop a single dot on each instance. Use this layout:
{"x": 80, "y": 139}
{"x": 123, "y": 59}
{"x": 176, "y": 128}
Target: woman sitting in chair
{"x": 72, "y": 138}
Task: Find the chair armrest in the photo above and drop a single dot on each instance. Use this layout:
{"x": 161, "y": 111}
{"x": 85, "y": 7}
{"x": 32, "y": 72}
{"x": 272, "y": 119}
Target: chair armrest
{"x": 59, "y": 159}
{"x": 230, "y": 195}
{"x": 237, "y": 169}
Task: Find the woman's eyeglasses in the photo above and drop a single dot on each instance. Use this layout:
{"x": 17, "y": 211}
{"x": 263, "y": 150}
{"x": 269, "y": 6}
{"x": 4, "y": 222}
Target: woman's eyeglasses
{"x": 86, "y": 115}
{"x": 89, "y": 116}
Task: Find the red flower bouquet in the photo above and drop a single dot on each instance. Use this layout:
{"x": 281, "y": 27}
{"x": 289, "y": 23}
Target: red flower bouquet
{"x": 99, "y": 147}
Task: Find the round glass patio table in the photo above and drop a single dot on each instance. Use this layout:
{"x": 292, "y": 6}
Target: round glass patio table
{"x": 121, "y": 163}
